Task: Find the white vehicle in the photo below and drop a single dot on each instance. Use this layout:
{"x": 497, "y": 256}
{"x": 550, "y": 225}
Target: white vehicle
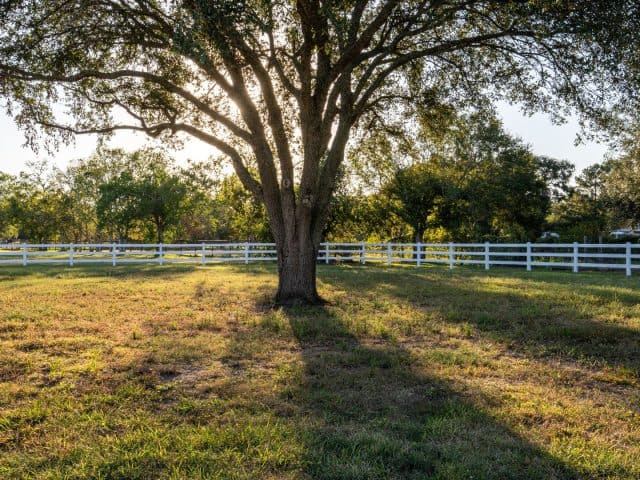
{"x": 625, "y": 232}
{"x": 549, "y": 236}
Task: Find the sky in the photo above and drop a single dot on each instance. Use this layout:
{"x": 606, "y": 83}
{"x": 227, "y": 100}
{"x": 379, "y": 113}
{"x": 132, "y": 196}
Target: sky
{"x": 538, "y": 131}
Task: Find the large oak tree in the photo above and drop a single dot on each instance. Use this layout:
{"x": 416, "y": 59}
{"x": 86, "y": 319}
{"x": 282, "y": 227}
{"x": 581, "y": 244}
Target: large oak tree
{"x": 280, "y": 86}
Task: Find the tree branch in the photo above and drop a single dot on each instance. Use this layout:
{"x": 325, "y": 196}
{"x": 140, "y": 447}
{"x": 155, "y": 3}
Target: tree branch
{"x": 118, "y": 74}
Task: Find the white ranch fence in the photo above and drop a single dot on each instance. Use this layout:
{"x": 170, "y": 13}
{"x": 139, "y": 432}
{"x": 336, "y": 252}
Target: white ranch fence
{"x": 574, "y": 256}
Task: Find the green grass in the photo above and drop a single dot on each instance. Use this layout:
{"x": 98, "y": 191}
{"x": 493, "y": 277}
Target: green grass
{"x": 186, "y": 372}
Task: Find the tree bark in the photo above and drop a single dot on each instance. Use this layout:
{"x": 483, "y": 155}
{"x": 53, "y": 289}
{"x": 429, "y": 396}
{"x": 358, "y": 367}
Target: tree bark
{"x": 297, "y": 256}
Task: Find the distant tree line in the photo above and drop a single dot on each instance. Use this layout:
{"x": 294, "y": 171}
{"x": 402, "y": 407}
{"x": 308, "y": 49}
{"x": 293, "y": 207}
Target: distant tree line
{"x": 467, "y": 180}
{"x": 117, "y": 196}
{"x": 606, "y": 197}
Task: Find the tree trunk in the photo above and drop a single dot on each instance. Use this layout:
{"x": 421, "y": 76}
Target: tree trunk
{"x": 160, "y": 228}
{"x": 297, "y": 270}
{"x": 418, "y": 235}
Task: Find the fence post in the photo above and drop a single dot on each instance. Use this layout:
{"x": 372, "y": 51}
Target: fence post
{"x": 161, "y": 258}
{"x": 71, "y": 254}
{"x": 388, "y": 253}
{"x": 418, "y": 254}
{"x": 575, "y": 257}
{"x": 204, "y": 255}
{"x": 113, "y": 254}
{"x": 326, "y": 253}
{"x": 246, "y": 253}
{"x": 487, "y": 264}
{"x": 628, "y": 258}
{"x": 451, "y": 256}
{"x": 528, "y": 256}
{"x": 362, "y": 253}
{"x": 24, "y": 254}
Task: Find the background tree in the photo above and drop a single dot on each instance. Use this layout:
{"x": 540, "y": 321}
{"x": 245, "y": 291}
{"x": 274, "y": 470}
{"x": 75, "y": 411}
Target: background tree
{"x": 7, "y": 183}
{"x": 148, "y": 190}
{"x": 557, "y": 175}
{"x": 621, "y": 187}
{"x": 474, "y": 180}
{"x": 414, "y": 191}
{"x": 160, "y": 196}
{"x": 117, "y": 207}
{"x": 78, "y": 185}
{"x": 584, "y": 215}
{"x": 279, "y": 86}
{"x": 356, "y": 216}
{"x": 504, "y": 197}
{"x": 198, "y": 221}
{"x": 34, "y": 205}
{"x": 240, "y": 216}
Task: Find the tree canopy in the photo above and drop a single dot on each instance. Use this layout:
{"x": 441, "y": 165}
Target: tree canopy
{"x": 281, "y": 86}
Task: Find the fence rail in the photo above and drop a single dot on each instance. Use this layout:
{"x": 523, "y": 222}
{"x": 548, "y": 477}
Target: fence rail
{"x": 574, "y": 256}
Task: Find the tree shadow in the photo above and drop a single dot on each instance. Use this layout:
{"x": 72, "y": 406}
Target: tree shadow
{"x": 133, "y": 270}
{"x": 373, "y": 414}
{"x": 537, "y": 316}
{"x": 606, "y": 285}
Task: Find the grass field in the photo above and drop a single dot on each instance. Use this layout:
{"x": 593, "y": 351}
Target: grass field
{"x": 186, "y": 372}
